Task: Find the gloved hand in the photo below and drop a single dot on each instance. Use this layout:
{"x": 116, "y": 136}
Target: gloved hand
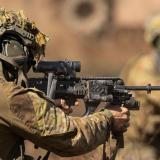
{"x": 120, "y": 118}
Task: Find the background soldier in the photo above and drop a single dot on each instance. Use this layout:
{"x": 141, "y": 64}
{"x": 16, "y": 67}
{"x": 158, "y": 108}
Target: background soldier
{"x": 27, "y": 113}
{"x": 143, "y": 136}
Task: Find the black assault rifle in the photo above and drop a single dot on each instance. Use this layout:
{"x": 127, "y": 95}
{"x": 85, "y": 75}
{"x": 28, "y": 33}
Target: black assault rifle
{"x": 61, "y": 82}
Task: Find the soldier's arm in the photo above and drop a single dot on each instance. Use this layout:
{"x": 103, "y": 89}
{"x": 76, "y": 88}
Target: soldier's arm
{"x": 35, "y": 118}
{"x": 31, "y": 116}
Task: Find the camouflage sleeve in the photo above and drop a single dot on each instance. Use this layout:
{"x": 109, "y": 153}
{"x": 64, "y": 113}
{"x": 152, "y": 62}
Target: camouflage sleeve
{"x": 37, "y": 119}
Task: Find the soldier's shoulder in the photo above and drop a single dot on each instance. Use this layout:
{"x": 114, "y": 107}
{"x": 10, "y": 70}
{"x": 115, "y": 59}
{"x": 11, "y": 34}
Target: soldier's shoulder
{"x": 11, "y": 89}
{"x": 6, "y": 86}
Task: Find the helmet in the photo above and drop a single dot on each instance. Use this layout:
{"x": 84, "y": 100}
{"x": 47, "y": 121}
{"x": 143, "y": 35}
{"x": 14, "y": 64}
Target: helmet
{"x": 152, "y": 30}
{"x": 19, "y": 37}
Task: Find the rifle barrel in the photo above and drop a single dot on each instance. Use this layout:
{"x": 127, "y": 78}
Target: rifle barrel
{"x": 147, "y": 88}
{"x": 101, "y": 78}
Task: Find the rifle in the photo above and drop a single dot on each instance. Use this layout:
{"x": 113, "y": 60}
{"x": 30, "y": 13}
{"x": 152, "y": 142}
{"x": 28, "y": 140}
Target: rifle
{"x": 63, "y": 83}
{"x": 92, "y": 90}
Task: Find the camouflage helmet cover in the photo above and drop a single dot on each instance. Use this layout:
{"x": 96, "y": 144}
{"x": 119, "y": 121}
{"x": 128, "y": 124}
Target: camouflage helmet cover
{"x": 152, "y": 29}
{"x": 17, "y": 22}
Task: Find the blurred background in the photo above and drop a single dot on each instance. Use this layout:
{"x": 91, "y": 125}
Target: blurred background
{"x": 102, "y": 34}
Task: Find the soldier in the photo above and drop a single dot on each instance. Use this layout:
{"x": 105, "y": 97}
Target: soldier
{"x": 27, "y": 113}
{"x": 143, "y": 137}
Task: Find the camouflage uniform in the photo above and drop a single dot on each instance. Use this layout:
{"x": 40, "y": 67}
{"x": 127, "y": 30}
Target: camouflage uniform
{"x": 27, "y": 113}
{"x": 145, "y": 124}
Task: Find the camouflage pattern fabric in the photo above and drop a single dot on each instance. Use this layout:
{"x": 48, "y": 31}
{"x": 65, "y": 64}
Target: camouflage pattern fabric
{"x": 27, "y": 113}
{"x": 145, "y": 124}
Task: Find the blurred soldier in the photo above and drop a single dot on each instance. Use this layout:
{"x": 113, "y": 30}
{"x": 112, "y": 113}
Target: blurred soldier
{"x": 27, "y": 113}
{"x": 143, "y": 137}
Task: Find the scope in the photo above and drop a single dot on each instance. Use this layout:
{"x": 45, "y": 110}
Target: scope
{"x": 58, "y": 67}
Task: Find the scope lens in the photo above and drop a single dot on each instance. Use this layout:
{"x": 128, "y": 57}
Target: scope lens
{"x": 76, "y": 65}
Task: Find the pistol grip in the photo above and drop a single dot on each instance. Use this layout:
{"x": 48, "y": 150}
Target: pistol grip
{"x": 120, "y": 139}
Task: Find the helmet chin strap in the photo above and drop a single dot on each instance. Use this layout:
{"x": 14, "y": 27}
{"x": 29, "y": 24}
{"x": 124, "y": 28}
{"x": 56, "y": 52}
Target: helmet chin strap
{"x": 8, "y": 60}
{"x": 1, "y": 71}
{"x": 15, "y": 61}
{"x": 22, "y": 79}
